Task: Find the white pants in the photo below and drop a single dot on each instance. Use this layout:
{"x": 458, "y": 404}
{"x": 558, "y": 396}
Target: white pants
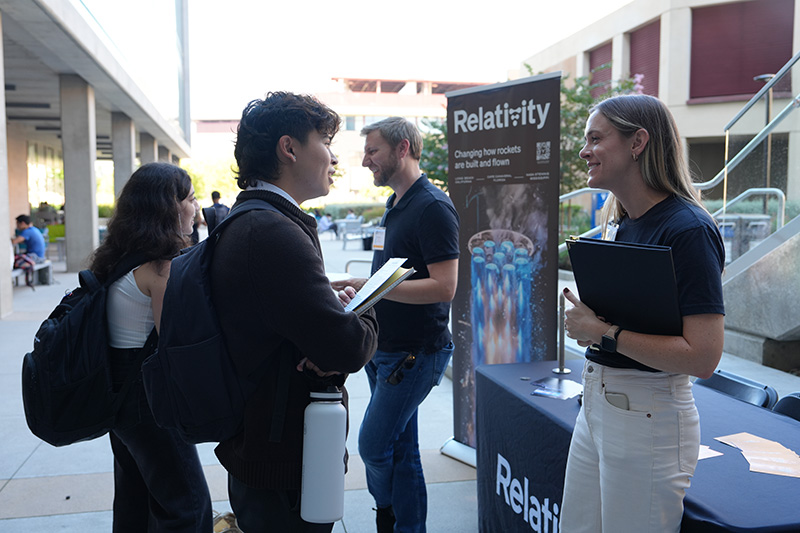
{"x": 628, "y": 470}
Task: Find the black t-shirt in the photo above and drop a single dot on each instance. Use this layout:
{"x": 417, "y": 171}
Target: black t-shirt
{"x": 423, "y": 227}
{"x": 697, "y": 253}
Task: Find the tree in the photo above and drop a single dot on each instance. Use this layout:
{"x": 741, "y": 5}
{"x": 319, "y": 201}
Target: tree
{"x": 576, "y": 101}
{"x": 434, "y": 152}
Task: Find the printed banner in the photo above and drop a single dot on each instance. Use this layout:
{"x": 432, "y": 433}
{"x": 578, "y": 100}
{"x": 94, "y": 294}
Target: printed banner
{"x": 504, "y": 181}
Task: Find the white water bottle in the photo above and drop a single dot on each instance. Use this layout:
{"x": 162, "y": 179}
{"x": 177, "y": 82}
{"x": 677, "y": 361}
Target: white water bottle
{"x": 324, "y": 435}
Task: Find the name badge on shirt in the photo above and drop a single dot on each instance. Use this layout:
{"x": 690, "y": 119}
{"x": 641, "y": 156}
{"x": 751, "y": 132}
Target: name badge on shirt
{"x": 378, "y": 238}
{"x": 611, "y": 232}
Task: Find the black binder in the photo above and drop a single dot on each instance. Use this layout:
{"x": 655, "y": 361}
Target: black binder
{"x": 628, "y": 284}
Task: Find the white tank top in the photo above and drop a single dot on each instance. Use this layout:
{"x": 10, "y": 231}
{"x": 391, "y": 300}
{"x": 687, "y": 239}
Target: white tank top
{"x": 130, "y": 314}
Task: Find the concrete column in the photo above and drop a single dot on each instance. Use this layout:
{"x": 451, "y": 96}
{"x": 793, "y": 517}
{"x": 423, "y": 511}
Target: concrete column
{"x": 78, "y": 134}
{"x": 164, "y": 154}
{"x": 148, "y": 148}
{"x": 17, "y": 146}
{"x": 620, "y": 56}
{"x": 123, "y": 137}
{"x": 582, "y": 64}
{"x": 182, "y": 10}
{"x": 6, "y": 290}
{"x": 675, "y": 55}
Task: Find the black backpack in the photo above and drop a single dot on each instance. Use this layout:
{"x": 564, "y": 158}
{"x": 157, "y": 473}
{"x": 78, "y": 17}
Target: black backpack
{"x": 67, "y": 389}
{"x": 191, "y": 382}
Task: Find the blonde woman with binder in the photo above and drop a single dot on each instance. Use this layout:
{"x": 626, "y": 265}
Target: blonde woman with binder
{"x": 637, "y": 435}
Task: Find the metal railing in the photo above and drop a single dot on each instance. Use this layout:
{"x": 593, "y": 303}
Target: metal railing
{"x": 757, "y": 140}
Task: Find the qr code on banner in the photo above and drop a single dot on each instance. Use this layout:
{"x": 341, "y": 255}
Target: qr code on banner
{"x": 543, "y": 151}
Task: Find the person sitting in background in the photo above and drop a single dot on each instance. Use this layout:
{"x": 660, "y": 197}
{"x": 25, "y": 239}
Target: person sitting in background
{"x": 351, "y": 215}
{"x": 32, "y": 237}
{"x": 34, "y": 252}
{"x": 326, "y": 223}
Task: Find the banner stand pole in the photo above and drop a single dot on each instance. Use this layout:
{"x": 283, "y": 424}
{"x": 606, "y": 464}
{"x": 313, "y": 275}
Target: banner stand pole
{"x": 561, "y": 317}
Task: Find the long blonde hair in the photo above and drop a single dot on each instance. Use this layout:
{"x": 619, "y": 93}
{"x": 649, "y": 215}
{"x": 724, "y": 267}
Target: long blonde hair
{"x": 662, "y": 162}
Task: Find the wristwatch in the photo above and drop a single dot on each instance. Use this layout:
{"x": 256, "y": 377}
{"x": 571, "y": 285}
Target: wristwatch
{"x": 609, "y": 341}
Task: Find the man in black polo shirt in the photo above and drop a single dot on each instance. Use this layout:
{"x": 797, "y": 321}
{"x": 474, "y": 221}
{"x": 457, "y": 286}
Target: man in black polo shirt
{"x": 414, "y": 342}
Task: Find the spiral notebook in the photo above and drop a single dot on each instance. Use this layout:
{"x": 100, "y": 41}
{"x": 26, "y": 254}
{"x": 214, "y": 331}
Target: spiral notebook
{"x": 628, "y": 284}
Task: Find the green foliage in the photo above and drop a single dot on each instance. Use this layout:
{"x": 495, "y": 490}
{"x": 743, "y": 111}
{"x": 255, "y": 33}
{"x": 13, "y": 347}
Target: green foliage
{"x": 208, "y": 175}
{"x": 374, "y": 213}
{"x": 369, "y": 211}
{"x": 105, "y": 211}
{"x": 434, "y": 152}
{"x": 756, "y": 207}
{"x": 576, "y": 101}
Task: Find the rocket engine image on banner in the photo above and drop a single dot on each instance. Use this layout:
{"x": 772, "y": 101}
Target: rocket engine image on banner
{"x": 504, "y": 182}
{"x": 501, "y": 297}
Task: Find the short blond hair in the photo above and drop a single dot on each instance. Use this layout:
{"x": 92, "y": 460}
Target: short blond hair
{"x": 396, "y": 129}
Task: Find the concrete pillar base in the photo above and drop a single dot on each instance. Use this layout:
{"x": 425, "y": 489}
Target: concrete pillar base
{"x": 782, "y": 355}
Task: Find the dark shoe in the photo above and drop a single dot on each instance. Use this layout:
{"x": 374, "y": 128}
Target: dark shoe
{"x": 385, "y": 520}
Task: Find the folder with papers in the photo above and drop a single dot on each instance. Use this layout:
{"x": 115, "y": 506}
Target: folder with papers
{"x": 628, "y": 284}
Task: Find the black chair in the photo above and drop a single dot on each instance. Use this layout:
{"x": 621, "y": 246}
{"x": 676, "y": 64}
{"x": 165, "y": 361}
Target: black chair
{"x": 741, "y": 388}
{"x": 789, "y": 405}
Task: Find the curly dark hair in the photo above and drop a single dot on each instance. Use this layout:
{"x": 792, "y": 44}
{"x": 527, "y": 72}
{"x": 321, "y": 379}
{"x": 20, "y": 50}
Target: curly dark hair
{"x": 146, "y": 219}
{"x": 265, "y": 121}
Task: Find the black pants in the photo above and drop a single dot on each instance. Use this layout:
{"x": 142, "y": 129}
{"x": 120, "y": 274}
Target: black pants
{"x": 276, "y": 511}
{"x": 159, "y": 485}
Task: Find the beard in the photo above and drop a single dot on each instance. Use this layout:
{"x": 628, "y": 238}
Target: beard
{"x": 382, "y": 177}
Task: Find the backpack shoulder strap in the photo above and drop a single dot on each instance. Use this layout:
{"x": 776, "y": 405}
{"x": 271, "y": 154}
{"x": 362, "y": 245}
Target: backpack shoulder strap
{"x": 242, "y": 208}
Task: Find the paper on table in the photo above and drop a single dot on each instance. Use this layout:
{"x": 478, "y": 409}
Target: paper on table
{"x": 562, "y": 389}
{"x": 765, "y": 456}
{"x": 707, "y": 453}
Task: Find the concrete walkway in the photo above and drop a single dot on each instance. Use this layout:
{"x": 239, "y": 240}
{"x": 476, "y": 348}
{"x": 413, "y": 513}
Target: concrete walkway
{"x": 47, "y": 489}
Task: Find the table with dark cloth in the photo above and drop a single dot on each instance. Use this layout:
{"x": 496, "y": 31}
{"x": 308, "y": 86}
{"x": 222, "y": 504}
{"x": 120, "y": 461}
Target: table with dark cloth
{"x": 523, "y": 441}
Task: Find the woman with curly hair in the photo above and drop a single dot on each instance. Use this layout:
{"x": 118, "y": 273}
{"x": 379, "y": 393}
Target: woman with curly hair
{"x": 158, "y": 480}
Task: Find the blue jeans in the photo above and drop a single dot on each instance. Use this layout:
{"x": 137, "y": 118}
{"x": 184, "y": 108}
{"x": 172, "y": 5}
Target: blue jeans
{"x": 388, "y": 442}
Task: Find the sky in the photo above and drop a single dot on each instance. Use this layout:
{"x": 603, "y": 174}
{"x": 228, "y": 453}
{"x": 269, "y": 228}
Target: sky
{"x": 241, "y": 49}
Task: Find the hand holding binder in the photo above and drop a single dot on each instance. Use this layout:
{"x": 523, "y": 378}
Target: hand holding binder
{"x": 630, "y": 285}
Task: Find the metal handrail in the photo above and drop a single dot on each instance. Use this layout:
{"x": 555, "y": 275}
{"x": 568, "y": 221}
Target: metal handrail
{"x": 749, "y": 147}
{"x": 767, "y": 86}
{"x": 762, "y": 190}
{"x": 578, "y": 192}
{"x": 591, "y": 233}
{"x": 569, "y": 196}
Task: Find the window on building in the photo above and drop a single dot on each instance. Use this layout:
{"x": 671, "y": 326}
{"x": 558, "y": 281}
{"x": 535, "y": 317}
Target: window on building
{"x": 733, "y": 43}
{"x": 350, "y": 123}
{"x": 645, "y": 46}
{"x": 600, "y": 67}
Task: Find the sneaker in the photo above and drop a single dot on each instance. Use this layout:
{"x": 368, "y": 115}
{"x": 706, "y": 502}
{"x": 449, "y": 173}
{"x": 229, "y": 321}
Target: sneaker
{"x": 385, "y": 520}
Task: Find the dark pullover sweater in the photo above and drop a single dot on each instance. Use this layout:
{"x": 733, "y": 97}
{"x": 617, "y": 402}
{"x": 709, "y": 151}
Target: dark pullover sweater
{"x": 269, "y": 286}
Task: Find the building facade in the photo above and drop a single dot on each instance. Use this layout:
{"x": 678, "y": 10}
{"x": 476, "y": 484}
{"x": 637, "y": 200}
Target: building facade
{"x": 359, "y": 102}
{"x": 86, "y": 81}
{"x": 700, "y": 57}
